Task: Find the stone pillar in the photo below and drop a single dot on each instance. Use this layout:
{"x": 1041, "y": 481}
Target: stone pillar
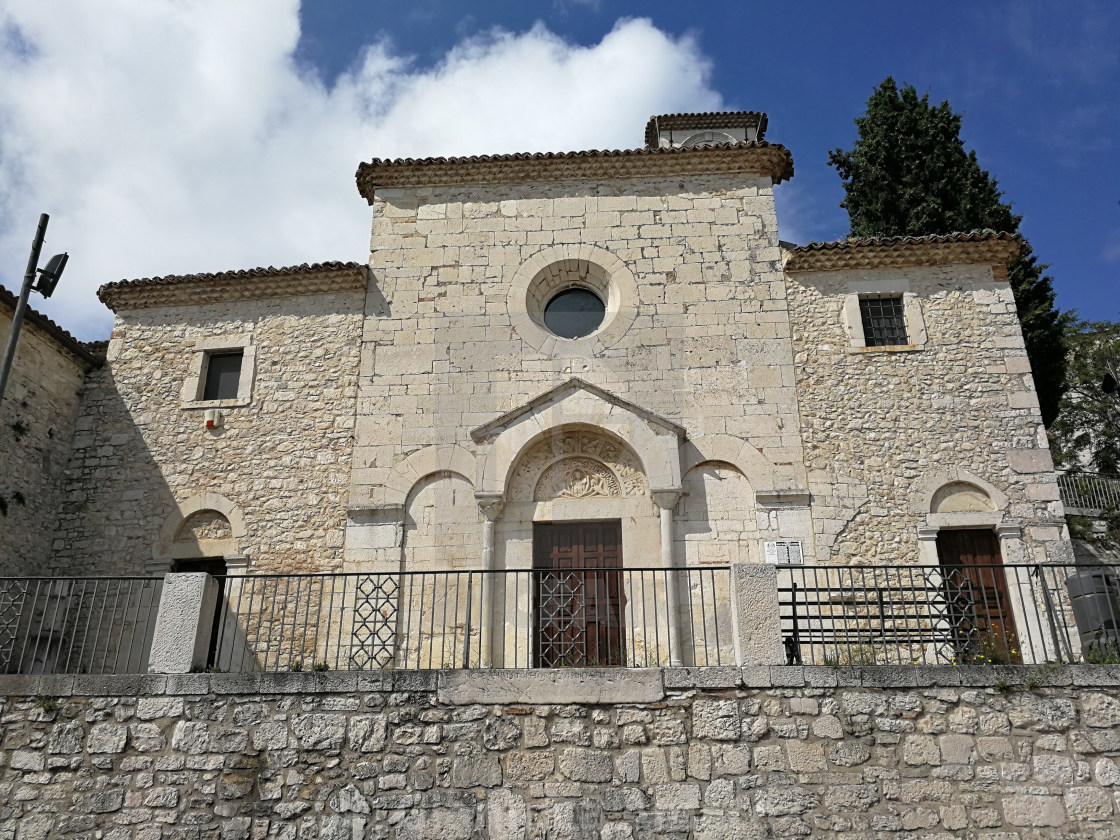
{"x": 757, "y": 622}
{"x": 666, "y": 500}
{"x": 491, "y": 506}
{"x": 183, "y": 624}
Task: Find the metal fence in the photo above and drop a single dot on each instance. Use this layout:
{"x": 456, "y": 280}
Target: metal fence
{"x": 77, "y": 625}
{"x": 537, "y": 618}
{"x": 959, "y": 615}
{"x": 1088, "y": 493}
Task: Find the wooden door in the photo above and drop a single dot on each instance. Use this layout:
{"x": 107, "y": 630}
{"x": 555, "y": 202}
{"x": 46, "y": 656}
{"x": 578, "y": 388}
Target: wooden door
{"x": 977, "y": 597}
{"x": 577, "y": 598}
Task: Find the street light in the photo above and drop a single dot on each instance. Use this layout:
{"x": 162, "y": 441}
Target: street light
{"x": 48, "y": 279}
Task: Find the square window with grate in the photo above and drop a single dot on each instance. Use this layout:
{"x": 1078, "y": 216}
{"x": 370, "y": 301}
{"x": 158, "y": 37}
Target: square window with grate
{"x": 223, "y": 375}
{"x": 884, "y": 322}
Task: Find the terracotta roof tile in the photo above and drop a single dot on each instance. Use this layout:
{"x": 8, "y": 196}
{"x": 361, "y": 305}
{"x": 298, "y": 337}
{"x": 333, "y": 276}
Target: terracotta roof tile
{"x": 976, "y": 247}
{"x": 82, "y": 350}
{"x": 756, "y": 156}
{"x": 245, "y": 284}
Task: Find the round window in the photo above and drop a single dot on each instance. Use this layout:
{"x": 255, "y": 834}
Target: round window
{"x": 574, "y": 313}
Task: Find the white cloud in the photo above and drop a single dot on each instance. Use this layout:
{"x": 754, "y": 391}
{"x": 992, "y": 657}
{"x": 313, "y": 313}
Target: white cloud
{"x": 170, "y": 137}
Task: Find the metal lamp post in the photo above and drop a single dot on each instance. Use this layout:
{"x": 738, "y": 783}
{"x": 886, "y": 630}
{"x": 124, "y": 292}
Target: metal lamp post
{"x": 48, "y": 279}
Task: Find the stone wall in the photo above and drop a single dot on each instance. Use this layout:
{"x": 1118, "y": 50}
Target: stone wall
{"x": 700, "y": 337}
{"x": 880, "y": 427}
{"x": 282, "y": 462}
{"x": 36, "y": 425}
{"x": 716, "y": 753}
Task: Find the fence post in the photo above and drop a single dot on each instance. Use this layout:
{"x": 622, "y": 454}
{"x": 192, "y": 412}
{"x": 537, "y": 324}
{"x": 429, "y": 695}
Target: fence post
{"x": 757, "y": 623}
{"x": 183, "y": 624}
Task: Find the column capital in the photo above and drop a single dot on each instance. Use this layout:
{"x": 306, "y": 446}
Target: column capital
{"x": 490, "y": 504}
{"x": 237, "y": 564}
{"x": 1009, "y": 531}
{"x": 928, "y": 532}
{"x": 666, "y": 499}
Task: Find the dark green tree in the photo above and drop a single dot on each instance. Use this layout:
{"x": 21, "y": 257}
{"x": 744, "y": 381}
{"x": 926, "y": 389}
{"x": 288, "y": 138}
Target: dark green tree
{"x": 908, "y": 174}
{"x": 1086, "y": 435}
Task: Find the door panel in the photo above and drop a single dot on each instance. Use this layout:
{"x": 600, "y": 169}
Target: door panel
{"x": 577, "y": 599}
{"x": 978, "y": 597}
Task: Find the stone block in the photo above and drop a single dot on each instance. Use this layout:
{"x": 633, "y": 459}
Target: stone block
{"x": 184, "y": 622}
{"x": 59, "y": 685}
{"x": 514, "y": 687}
{"x": 584, "y": 765}
{"x": 889, "y": 676}
{"x": 107, "y": 738}
{"x": 716, "y": 720}
{"x": 319, "y": 731}
{"x": 918, "y": 750}
{"x": 1034, "y": 810}
{"x": 758, "y": 632}
{"x": 805, "y": 756}
{"x": 1088, "y": 803}
{"x": 957, "y": 749}
{"x": 20, "y": 685}
{"x": 534, "y": 766}
{"x": 756, "y": 676}
{"x": 676, "y": 797}
{"x": 188, "y": 685}
{"x": 716, "y": 676}
{"x": 1029, "y": 461}
{"x": 936, "y": 675}
{"x": 787, "y": 676}
{"x": 477, "y": 770}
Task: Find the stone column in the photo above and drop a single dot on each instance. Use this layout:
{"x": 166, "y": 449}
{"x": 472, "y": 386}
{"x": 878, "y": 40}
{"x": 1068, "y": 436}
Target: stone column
{"x": 758, "y": 624}
{"x": 183, "y": 624}
{"x": 666, "y": 500}
{"x": 491, "y": 506}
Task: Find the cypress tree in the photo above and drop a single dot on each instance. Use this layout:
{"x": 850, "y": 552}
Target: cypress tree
{"x": 908, "y": 174}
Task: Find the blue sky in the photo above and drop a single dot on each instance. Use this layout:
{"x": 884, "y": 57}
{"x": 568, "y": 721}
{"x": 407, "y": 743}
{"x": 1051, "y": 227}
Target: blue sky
{"x": 174, "y": 137}
{"x": 1038, "y": 83}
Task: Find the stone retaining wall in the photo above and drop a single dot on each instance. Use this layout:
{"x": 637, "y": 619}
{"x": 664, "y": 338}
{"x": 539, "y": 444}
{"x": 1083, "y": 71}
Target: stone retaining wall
{"x": 712, "y": 753}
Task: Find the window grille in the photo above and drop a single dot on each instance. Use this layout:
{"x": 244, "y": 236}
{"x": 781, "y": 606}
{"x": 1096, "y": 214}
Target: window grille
{"x": 223, "y": 375}
{"x": 884, "y": 322}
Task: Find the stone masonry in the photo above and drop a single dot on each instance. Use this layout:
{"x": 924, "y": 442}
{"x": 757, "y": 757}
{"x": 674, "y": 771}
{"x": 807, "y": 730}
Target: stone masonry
{"x": 878, "y": 425}
{"x": 285, "y": 457}
{"x": 406, "y": 415}
{"x": 813, "y": 752}
{"x": 37, "y": 420}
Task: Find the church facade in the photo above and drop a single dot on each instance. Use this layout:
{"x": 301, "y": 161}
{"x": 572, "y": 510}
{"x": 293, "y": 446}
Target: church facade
{"x": 607, "y": 355}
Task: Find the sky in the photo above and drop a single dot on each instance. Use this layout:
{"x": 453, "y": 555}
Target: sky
{"x": 181, "y": 136}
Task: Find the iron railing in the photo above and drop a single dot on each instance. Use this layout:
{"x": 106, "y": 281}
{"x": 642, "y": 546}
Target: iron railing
{"x": 914, "y": 615}
{"x": 538, "y": 618}
{"x": 90, "y": 625}
{"x": 1087, "y": 493}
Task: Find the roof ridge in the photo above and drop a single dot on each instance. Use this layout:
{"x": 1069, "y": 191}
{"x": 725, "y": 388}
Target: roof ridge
{"x": 976, "y": 247}
{"x": 974, "y": 235}
{"x": 757, "y": 156}
{"x": 586, "y": 153}
{"x": 234, "y": 285}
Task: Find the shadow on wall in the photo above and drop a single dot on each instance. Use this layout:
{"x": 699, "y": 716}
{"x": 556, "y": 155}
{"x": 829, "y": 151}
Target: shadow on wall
{"x": 715, "y": 521}
{"x": 116, "y": 496}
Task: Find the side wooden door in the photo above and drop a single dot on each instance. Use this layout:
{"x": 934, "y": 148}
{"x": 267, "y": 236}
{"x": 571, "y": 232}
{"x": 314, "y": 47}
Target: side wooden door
{"x": 978, "y": 597}
{"x": 577, "y": 597}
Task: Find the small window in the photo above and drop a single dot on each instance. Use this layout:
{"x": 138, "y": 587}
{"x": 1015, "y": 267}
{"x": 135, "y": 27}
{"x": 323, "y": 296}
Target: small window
{"x": 223, "y": 375}
{"x": 884, "y": 321}
{"x": 574, "y": 313}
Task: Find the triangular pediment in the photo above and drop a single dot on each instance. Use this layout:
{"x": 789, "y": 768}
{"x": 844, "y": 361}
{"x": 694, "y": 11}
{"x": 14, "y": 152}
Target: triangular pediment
{"x": 572, "y": 387}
